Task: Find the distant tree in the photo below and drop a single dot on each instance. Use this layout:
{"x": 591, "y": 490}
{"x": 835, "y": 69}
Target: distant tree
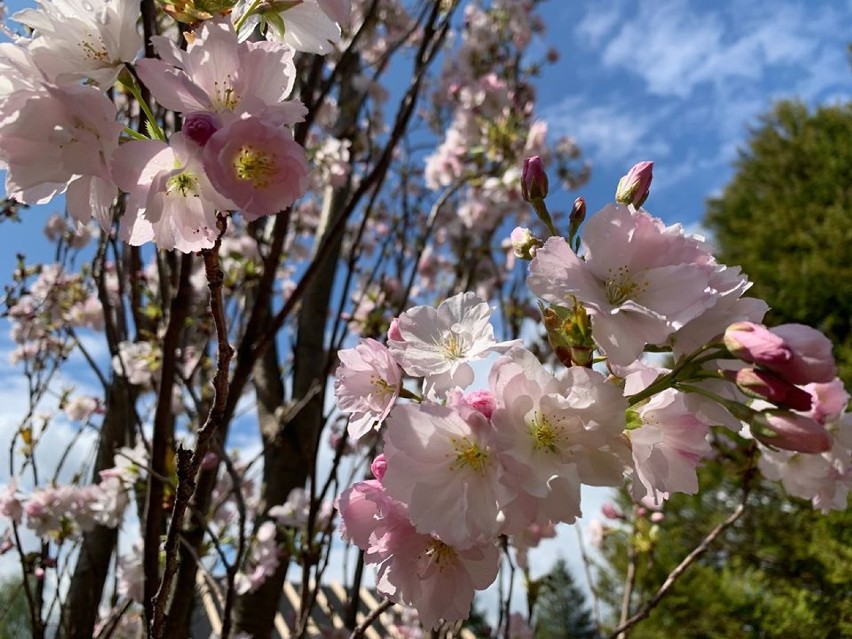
{"x": 786, "y": 218}
{"x": 561, "y": 610}
{"x": 783, "y": 571}
{"x": 14, "y": 613}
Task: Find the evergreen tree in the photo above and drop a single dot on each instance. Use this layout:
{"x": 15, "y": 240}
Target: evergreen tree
{"x": 14, "y": 612}
{"x": 786, "y": 218}
{"x": 561, "y": 610}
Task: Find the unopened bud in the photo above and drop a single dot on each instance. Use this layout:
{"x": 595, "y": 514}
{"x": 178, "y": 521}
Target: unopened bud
{"x": 534, "y": 184}
{"x": 210, "y": 461}
{"x": 634, "y": 187}
{"x": 578, "y": 212}
{"x": 768, "y": 386}
{"x": 524, "y": 243}
{"x": 200, "y": 126}
{"x": 756, "y": 344}
{"x": 790, "y": 431}
{"x": 610, "y": 511}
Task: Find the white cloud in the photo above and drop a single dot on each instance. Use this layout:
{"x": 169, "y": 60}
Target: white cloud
{"x": 675, "y": 47}
{"x": 612, "y": 132}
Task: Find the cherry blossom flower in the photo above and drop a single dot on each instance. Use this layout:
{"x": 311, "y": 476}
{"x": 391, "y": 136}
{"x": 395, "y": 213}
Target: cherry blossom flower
{"x": 218, "y": 75}
{"x": 731, "y": 284}
{"x": 438, "y": 344}
{"x": 552, "y": 433}
{"x": 308, "y": 25}
{"x": 131, "y": 574}
{"x": 639, "y": 280}
{"x": 414, "y": 568}
{"x": 295, "y": 512}
{"x": 445, "y": 468}
{"x": 138, "y": 361}
{"x": 262, "y": 562}
{"x": 367, "y": 385}
{"x": 667, "y": 448}
{"x": 71, "y": 154}
{"x": 257, "y": 166}
{"x": 74, "y": 40}
{"x": 10, "y": 505}
{"x": 81, "y": 407}
{"x": 171, "y": 202}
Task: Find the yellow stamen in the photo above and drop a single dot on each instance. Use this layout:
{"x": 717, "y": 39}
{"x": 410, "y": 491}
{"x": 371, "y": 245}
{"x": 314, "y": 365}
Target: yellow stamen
{"x": 255, "y": 166}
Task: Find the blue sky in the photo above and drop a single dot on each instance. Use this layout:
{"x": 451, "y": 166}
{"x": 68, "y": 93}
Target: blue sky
{"x": 679, "y": 82}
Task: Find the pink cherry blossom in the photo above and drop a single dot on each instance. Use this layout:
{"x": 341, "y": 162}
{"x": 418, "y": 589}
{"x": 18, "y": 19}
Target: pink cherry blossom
{"x": 798, "y": 353}
{"x": 257, "y": 166}
{"x": 218, "y": 75}
{"x": 812, "y": 360}
{"x": 10, "y": 505}
{"x": 730, "y": 307}
{"x": 639, "y": 280}
{"x": 415, "y": 569}
{"x": 791, "y": 431}
{"x": 367, "y": 385}
{"x": 171, "y": 202}
{"x": 667, "y": 448}
{"x": 262, "y": 561}
{"x": 379, "y": 467}
{"x": 552, "y": 433}
{"x": 438, "y": 344}
{"x": 57, "y": 139}
{"x": 829, "y": 400}
{"x": 446, "y": 470}
{"x": 131, "y": 574}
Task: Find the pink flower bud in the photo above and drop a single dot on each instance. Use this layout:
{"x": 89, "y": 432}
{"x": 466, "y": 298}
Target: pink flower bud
{"x": 534, "y": 184}
{"x": 634, "y": 187}
{"x": 39, "y": 573}
{"x": 483, "y": 401}
{"x": 790, "y": 431}
{"x": 393, "y": 332}
{"x": 379, "y": 467}
{"x": 210, "y": 461}
{"x": 578, "y": 212}
{"x": 756, "y": 344}
{"x": 812, "y": 360}
{"x": 657, "y": 517}
{"x": 199, "y": 126}
{"x": 610, "y": 511}
{"x": 768, "y": 386}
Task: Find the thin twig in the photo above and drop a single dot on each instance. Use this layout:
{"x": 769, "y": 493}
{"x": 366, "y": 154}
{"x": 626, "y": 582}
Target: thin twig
{"x": 370, "y": 618}
{"x": 189, "y": 462}
{"x": 675, "y": 574}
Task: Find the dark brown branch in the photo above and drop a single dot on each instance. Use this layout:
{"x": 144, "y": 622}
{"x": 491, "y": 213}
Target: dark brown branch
{"x": 162, "y": 437}
{"x": 189, "y": 462}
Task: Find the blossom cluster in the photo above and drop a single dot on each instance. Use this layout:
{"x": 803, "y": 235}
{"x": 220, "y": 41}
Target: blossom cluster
{"x": 60, "y": 512}
{"x": 461, "y": 468}
{"x": 61, "y": 133}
